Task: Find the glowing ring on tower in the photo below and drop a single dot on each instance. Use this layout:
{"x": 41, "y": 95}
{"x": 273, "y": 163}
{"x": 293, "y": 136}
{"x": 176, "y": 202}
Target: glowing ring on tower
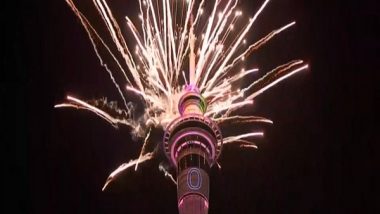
{"x": 190, "y": 175}
{"x": 196, "y": 121}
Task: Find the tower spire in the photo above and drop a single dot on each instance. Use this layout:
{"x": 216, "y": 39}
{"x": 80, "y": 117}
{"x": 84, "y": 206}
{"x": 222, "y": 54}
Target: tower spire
{"x": 192, "y": 39}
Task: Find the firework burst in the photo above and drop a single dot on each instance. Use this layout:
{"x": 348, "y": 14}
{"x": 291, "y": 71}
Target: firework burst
{"x": 177, "y": 46}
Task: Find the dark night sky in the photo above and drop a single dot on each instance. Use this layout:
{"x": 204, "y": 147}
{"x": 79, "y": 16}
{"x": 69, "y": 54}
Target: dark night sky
{"x": 318, "y": 157}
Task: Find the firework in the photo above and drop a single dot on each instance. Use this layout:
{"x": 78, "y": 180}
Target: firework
{"x": 176, "y": 47}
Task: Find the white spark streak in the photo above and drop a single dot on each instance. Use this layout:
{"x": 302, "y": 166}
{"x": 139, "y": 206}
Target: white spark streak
{"x": 248, "y": 146}
{"x": 277, "y": 81}
{"x": 240, "y": 38}
{"x": 167, "y": 174}
{"x": 126, "y": 166}
{"x": 77, "y": 103}
{"x": 218, "y": 109}
{"x": 143, "y": 149}
{"x": 239, "y": 137}
{"x": 244, "y": 119}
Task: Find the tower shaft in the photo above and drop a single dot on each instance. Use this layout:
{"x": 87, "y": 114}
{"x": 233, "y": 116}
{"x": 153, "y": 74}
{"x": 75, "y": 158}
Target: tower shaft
{"x": 192, "y": 142}
{"x": 193, "y": 182}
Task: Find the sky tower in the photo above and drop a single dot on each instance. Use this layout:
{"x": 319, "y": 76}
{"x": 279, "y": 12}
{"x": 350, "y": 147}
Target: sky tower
{"x": 193, "y": 143}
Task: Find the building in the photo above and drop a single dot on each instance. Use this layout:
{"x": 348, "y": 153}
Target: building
{"x": 193, "y": 143}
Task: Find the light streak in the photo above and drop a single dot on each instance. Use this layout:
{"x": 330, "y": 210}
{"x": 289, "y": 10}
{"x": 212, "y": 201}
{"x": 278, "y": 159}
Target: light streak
{"x": 167, "y": 174}
{"x": 244, "y": 119}
{"x": 79, "y": 104}
{"x": 143, "y": 149}
{"x": 239, "y": 137}
{"x": 126, "y": 166}
{"x": 277, "y": 80}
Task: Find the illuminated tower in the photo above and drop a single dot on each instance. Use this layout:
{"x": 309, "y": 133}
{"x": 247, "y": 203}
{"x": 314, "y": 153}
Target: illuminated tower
{"x": 193, "y": 143}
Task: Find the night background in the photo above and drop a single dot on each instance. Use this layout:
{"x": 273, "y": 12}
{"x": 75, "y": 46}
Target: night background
{"x": 317, "y": 157}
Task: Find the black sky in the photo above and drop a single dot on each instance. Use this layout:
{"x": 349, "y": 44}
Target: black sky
{"x": 317, "y": 157}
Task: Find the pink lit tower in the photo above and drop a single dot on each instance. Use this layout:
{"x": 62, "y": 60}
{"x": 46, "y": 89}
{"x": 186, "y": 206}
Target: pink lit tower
{"x": 192, "y": 143}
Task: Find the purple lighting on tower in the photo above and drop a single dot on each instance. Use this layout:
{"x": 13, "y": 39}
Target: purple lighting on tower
{"x": 192, "y": 143}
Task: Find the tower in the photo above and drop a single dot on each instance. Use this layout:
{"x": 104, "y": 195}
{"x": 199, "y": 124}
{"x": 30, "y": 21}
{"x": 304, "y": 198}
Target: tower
{"x": 192, "y": 143}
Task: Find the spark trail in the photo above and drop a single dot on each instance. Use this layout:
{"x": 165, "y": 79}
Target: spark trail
{"x": 176, "y": 46}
